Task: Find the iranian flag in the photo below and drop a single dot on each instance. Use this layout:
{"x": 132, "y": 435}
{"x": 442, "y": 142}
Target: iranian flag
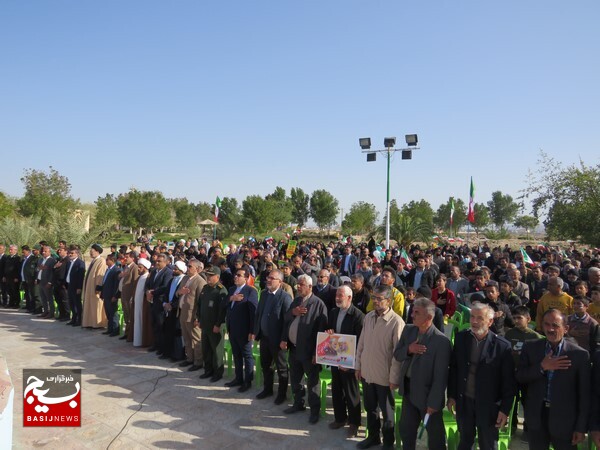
{"x": 217, "y": 207}
{"x": 471, "y": 215}
{"x": 526, "y": 258}
{"x": 451, "y": 211}
{"x": 404, "y": 259}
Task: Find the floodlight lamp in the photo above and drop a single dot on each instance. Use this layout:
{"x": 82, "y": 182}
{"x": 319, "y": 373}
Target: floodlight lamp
{"x": 406, "y": 154}
{"x": 371, "y": 157}
{"x": 389, "y": 142}
{"x": 411, "y": 140}
{"x": 365, "y": 143}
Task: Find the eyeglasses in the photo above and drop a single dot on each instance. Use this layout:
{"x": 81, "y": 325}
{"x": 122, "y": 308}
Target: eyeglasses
{"x": 378, "y": 299}
{"x": 272, "y": 278}
{"x": 241, "y": 275}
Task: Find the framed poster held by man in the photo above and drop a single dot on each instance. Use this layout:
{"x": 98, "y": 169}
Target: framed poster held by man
{"x": 336, "y": 350}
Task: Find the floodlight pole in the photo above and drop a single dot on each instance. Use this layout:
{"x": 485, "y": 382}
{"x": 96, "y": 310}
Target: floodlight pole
{"x": 387, "y": 215}
{"x": 412, "y": 145}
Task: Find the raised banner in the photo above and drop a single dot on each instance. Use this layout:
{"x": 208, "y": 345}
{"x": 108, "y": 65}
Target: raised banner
{"x": 291, "y": 248}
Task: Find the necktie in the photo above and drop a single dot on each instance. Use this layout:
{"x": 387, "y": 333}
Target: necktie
{"x": 550, "y": 373}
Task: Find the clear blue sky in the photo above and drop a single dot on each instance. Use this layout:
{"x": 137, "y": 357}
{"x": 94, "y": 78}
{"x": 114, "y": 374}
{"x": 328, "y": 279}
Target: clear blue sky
{"x": 230, "y": 98}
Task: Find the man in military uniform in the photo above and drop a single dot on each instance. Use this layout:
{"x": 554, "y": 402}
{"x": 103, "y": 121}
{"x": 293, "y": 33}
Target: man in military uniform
{"x": 211, "y": 317}
{"x": 28, "y": 276}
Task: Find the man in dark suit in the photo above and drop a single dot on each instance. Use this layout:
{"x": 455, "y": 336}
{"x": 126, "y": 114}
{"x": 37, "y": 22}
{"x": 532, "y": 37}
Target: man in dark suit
{"x": 348, "y": 262}
{"x": 420, "y": 275}
{"x": 74, "y": 277}
{"x": 303, "y": 321}
{"x": 109, "y": 295}
{"x": 170, "y": 348}
{"x": 268, "y": 329}
{"x": 58, "y": 282}
{"x": 44, "y": 280}
{"x": 481, "y": 381}
{"x": 324, "y": 290}
{"x": 424, "y": 352}
{"x": 3, "y": 290}
{"x": 345, "y": 318}
{"x": 10, "y": 275}
{"x": 156, "y": 290}
{"x": 595, "y": 401}
{"x": 241, "y": 311}
{"x": 557, "y": 375}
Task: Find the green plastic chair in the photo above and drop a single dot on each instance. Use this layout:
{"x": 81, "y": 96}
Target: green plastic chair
{"x": 229, "y": 355}
{"x": 325, "y": 377}
{"x": 451, "y": 328}
{"x": 505, "y": 434}
{"x": 397, "y": 413}
{"x": 464, "y": 326}
{"x": 451, "y": 429}
{"x": 258, "y": 374}
{"x": 465, "y": 311}
{"x": 458, "y": 317}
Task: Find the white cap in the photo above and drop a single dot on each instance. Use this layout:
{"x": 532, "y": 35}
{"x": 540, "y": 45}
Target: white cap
{"x": 181, "y": 266}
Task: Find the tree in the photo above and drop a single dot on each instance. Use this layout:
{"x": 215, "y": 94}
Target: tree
{"x": 361, "y": 219}
{"x": 204, "y": 211}
{"x": 405, "y": 230}
{"x": 323, "y": 208}
{"x": 72, "y": 228}
{"x": 107, "y": 209}
{"x": 421, "y": 210}
{"x": 394, "y": 214}
{"x": 44, "y": 191}
{"x": 502, "y": 209}
{"x": 570, "y": 198}
{"x": 185, "y": 212}
{"x": 144, "y": 210}
{"x": 258, "y": 214}
{"x": 20, "y": 230}
{"x": 482, "y": 217}
{"x": 527, "y": 222}
{"x": 442, "y": 216}
{"x": 230, "y": 216}
{"x": 7, "y": 206}
{"x": 281, "y": 206}
{"x": 300, "y": 209}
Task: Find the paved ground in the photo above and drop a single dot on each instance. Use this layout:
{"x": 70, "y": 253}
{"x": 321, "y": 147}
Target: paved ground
{"x": 131, "y": 399}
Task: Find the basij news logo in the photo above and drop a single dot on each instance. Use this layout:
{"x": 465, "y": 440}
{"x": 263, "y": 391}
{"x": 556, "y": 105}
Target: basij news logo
{"x": 52, "y": 397}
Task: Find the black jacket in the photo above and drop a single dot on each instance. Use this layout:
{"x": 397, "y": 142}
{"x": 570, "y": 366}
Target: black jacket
{"x": 495, "y": 385}
{"x": 311, "y": 323}
{"x": 569, "y": 390}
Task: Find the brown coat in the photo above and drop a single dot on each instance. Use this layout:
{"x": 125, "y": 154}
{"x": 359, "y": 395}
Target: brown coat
{"x": 188, "y": 304}
{"x": 130, "y": 276}
{"x": 93, "y": 308}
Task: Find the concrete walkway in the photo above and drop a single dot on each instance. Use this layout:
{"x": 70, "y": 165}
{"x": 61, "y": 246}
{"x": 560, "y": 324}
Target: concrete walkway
{"x": 131, "y": 399}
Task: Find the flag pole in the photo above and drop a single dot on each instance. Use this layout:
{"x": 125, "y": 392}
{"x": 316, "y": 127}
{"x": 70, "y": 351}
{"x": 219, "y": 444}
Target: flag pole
{"x": 468, "y": 232}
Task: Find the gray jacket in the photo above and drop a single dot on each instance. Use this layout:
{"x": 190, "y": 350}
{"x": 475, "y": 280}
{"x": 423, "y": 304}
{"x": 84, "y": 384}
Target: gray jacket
{"x": 429, "y": 371}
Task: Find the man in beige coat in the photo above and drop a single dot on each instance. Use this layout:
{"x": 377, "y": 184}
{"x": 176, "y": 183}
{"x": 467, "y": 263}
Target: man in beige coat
{"x": 191, "y": 285}
{"x": 93, "y": 308}
{"x": 376, "y": 366}
{"x": 128, "y": 276}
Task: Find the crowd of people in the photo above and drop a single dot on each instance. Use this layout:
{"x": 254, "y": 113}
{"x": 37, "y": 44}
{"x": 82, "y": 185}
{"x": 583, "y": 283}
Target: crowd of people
{"x": 182, "y": 302}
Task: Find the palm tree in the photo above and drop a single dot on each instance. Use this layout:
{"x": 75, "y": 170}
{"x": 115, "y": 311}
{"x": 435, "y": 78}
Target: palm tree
{"x": 405, "y": 230}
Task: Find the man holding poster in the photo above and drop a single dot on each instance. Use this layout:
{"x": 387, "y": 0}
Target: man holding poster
{"x": 345, "y": 318}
